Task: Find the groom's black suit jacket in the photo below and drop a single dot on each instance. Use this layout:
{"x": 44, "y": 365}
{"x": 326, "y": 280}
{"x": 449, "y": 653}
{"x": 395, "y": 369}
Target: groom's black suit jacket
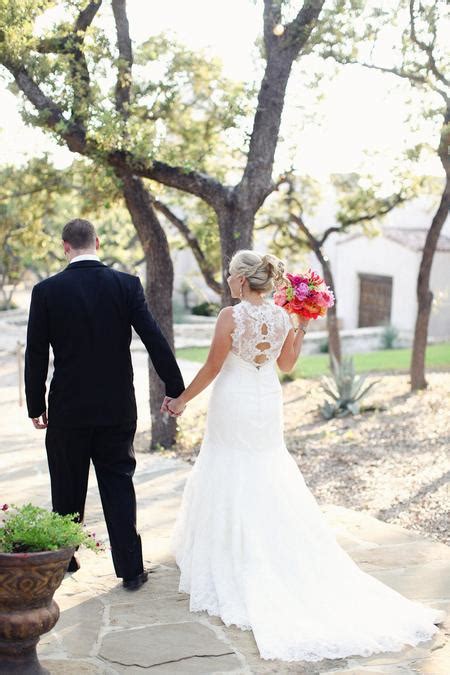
{"x": 86, "y": 313}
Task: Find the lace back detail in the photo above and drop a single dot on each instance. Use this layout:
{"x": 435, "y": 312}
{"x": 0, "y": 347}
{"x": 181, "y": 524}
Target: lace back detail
{"x": 259, "y": 332}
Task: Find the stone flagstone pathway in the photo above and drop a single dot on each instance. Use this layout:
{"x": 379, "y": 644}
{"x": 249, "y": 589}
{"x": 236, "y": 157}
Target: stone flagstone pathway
{"x": 106, "y": 630}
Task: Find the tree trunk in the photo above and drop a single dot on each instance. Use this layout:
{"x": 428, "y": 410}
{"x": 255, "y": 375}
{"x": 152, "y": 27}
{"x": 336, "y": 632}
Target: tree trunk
{"x": 159, "y": 287}
{"x": 424, "y": 294}
{"x": 334, "y": 340}
{"x": 7, "y": 297}
{"x": 236, "y": 233}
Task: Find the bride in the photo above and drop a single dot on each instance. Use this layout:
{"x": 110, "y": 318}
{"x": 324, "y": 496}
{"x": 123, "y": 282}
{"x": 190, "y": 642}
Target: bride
{"x": 251, "y": 542}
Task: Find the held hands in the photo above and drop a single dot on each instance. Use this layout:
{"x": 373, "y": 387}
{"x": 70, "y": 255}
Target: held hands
{"x": 172, "y": 406}
{"x": 41, "y": 421}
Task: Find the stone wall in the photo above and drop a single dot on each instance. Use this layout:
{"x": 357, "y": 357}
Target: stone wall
{"x": 199, "y": 334}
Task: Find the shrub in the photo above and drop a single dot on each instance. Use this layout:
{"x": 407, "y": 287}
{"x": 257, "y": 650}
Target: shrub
{"x": 287, "y": 377}
{"x": 324, "y": 347}
{"x": 206, "y": 309}
{"x": 30, "y": 529}
{"x": 345, "y": 388}
{"x": 389, "y": 337}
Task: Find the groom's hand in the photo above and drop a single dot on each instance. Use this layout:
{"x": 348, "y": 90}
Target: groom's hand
{"x": 164, "y": 408}
{"x": 167, "y": 408}
{"x": 175, "y": 407}
{"x": 41, "y": 421}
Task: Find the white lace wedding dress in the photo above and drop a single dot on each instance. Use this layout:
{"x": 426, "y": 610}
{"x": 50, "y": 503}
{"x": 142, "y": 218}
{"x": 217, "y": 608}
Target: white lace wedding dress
{"x": 251, "y": 542}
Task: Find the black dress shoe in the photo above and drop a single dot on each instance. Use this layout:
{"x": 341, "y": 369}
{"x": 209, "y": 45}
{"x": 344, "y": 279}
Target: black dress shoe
{"x": 136, "y": 582}
{"x": 74, "y": 565}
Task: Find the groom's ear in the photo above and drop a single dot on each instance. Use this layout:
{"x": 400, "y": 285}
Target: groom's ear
{"x": 97, "y": 243}
{"x": 66, "y": 247}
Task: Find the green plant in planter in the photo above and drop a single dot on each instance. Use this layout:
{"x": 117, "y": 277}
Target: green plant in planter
{"x": 29, "y": 528}
{"x": 36, "y": 546}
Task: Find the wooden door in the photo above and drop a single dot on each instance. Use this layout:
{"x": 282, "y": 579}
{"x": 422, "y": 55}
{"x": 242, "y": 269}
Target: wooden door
{"x": 375, "y": 300}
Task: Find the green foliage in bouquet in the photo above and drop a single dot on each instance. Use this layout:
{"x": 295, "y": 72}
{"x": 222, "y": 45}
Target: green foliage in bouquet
{"x": 30, "y": 528}
{"x": 345, "y": 389}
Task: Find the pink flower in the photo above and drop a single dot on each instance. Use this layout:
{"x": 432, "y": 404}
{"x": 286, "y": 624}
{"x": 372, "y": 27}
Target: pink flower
{"x": 280, "y": 297}
{"x": 325, "y": 299}
{"x": 301, "y": 291}
{"x": 296, "y": 279}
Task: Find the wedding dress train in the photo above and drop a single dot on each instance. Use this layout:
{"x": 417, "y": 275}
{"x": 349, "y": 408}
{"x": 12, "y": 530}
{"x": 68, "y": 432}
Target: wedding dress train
{"x": 251, "y": 542}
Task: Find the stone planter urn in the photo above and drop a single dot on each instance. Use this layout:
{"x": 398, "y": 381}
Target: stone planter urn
{"x": 27, "y": 609}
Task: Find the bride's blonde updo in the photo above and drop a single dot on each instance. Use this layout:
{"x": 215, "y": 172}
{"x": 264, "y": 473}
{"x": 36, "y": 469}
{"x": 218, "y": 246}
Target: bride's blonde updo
{"x": 262, "y": 272}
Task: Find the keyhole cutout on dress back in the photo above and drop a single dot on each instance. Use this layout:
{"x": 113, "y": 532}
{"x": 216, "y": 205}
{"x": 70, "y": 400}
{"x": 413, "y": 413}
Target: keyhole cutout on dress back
{"x": 262, "y": 346}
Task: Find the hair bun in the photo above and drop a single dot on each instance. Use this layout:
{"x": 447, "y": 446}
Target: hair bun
{"x": 262, "y": 271}
{"x": 275, "y": 267}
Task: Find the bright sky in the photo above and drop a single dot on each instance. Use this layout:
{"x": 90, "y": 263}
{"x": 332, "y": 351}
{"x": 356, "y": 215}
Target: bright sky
{"x": 362, "y": 110}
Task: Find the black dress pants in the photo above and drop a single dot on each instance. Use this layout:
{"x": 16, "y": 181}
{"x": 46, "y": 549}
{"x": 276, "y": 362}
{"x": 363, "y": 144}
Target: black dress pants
{"x": 69, "y": 452}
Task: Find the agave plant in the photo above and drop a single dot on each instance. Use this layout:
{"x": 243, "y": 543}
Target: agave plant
{"x": 345, "y": 388}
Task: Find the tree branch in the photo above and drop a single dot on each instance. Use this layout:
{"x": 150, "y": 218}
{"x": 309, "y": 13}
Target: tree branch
{"x": 313, "y": 241}
{"x": 51, "y": 114}
{"x": 387, "y": 206}
{"x": 271, "y": 17}
{"x": 63, "y": 44}
{"x": 193, "y": 243}
{"x": 125, "y": 63}
{"x": 47, "y": 186}
{"x": 281, "y": 51}
{"x": 428, "y": 49}
{"x": 300, "y": 28}
{"x": 318, "y": 242}
{"x": 72, "y": 45}
{"x": 399, "y": 72}
{"x": 87, "y": 15}
{"x": 349, "y": 222}
{"x": 193, "y": 182}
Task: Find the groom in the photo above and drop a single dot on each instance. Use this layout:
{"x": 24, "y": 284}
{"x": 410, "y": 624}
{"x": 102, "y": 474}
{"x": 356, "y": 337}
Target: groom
{"x": 86, "y": 313}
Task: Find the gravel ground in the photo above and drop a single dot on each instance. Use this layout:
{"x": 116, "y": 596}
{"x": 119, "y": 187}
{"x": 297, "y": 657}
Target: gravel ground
{"x": 393, "y": 463}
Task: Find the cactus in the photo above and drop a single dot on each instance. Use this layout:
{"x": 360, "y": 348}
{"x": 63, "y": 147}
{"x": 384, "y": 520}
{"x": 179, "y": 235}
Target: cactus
{"x": 345, "y": 388}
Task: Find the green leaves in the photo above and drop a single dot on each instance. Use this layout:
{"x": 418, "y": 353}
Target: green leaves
{"x": 345, "y": 388}
{"x": 36, "y": 200}
{"x": 31, "y": 528}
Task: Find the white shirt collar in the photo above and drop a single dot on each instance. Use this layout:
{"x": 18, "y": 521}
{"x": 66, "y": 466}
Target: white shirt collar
{"x": 85, "y": 256}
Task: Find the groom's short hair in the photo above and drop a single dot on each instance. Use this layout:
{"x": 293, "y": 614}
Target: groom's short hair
{"x": 79, "y": 233}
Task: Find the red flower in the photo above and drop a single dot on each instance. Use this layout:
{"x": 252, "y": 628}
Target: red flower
{"x": 314, "y": 278}
{"x": 5, "y": 507}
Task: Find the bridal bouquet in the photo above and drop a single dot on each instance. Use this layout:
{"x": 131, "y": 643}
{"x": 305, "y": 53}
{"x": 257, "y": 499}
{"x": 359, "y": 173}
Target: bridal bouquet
{"x": 306, "y": 295}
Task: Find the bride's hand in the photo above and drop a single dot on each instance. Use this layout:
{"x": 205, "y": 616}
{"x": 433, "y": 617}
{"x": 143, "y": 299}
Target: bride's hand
{"x": 175, "y": 407}
{"x": 302, "y": 322}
